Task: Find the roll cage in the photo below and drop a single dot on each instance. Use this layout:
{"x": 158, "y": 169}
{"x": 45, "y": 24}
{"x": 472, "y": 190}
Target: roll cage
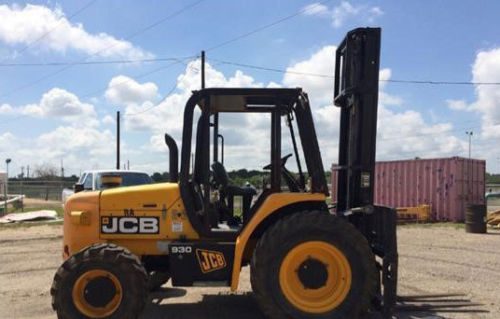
{"x": 292, "y": 104}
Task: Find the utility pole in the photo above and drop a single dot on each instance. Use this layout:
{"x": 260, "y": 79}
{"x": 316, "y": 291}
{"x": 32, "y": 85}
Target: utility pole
{"x": 5, "y": 191}
{"x": 118, "y": 140}
{"x": 7, "y": 162}
{"x": 62, "y": 168}
{"x": 202, "y": 69}
{"x": 22, "y": 188}
{"x": 28, "y": 171}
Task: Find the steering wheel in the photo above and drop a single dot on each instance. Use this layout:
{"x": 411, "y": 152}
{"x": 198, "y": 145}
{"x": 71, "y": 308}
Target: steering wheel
{"x": 283, "y": 161}
{"x": 288, "y": 177}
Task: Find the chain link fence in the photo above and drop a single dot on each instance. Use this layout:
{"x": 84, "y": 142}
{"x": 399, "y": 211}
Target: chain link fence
{"x": 47, "y": 190}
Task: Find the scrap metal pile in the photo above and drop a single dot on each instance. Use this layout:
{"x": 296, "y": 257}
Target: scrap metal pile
{"x": 493, "y": 219}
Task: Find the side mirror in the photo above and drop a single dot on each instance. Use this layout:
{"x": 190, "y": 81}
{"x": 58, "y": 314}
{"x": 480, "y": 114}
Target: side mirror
{"x": 78, "y": 187}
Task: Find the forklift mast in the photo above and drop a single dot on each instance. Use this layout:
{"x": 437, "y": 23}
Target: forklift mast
{"x": 356, "y": 93}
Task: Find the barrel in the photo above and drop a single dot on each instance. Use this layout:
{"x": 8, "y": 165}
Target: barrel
{"x": 475, "y": 219}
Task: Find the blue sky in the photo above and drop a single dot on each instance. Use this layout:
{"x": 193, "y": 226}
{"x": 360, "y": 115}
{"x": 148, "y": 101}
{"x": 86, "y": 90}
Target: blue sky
{"x": 46, "y": 117}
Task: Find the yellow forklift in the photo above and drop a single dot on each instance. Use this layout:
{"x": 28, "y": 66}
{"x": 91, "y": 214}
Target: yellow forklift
{"x": 307, "y": 260}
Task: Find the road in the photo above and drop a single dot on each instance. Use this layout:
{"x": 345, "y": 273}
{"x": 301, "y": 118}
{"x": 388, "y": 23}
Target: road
{"x": 434, "y": 260}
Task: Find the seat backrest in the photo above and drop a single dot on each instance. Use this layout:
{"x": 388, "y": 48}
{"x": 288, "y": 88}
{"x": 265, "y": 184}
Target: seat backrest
{"x": 197, "y": 196}
{"x": 220, "y": 174}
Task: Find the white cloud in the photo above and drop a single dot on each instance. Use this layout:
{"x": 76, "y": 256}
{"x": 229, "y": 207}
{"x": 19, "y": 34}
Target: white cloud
{"x": 457, "y": 105}
{"x": 384, "y": 97}
{"x": 66, "y": 139}
{"x": 7, "y": 141}
{"x": 57, "y": 103}
{"x": 320, "y": 89}
{"x": 412, "y": 136}
{"x": 108, "y": 120}
{"x": 6, "y": 109}
{"x": 22, "y": 25}
{"x": 315, "y": 9}
{"x": 168, "y": 113}
{"x": 343, "y": 12}
{"x": 402, "y": 132}
{"x": 81, "y": 148}
{"x": 123, "y": 90}
{"x": 486, "y": 68}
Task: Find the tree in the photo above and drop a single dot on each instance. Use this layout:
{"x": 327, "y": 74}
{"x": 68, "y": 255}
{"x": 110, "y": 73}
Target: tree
{"x": 160, "y": 177}
{"x": 46, "y": 171}
{"x": 492, "y": 178}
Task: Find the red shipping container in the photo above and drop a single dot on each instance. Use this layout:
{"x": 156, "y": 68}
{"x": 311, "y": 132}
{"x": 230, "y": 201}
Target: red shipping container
{"x": 448, "y": 185}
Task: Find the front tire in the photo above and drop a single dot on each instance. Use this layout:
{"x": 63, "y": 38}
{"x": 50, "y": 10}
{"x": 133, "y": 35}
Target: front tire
{"x": 101, "y": 281}
{"x": 313, "y": 265}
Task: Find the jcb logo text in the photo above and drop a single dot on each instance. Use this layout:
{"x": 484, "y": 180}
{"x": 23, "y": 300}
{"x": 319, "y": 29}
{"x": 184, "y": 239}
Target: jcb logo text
{"x": 129, "y": 225}
{"x": 210, "y": 260}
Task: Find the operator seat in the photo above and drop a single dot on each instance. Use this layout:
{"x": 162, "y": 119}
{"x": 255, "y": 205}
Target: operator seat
{"x": 228, "y": 191}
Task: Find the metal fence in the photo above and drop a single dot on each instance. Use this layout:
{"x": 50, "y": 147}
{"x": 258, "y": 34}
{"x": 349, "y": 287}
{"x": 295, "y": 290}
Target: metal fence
{"x": 47, "y": 190}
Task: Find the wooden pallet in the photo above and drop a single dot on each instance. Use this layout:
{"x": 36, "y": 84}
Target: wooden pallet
{"x": 417, "y": 214}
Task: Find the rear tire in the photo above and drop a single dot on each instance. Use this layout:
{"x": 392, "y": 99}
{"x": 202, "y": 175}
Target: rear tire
{"x": 101, "y": 281}
{"x": 313, "y": 265}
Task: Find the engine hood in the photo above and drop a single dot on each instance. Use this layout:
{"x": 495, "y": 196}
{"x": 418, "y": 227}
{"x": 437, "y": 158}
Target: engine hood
{"x": 143, "y": 197}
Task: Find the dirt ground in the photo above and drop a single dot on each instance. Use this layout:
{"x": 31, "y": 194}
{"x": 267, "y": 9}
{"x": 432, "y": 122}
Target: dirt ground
{"x": 451, "y": 273}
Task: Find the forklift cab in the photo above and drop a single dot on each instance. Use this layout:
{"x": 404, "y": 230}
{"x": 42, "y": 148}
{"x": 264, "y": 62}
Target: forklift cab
{"x": 204, "y": 184}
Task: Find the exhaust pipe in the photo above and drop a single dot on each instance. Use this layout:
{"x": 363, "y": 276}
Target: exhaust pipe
{"x": 173, "y": 158}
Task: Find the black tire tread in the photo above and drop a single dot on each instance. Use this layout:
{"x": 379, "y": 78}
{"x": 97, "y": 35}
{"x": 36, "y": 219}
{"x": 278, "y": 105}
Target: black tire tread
{"x": 121, "y": 258}
{"x": 266, "y": 248}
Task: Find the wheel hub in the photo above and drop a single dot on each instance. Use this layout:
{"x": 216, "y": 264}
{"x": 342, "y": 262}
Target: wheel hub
{"x": 99, "y": 291}
{"x": 313, "y": 274}
{"x": 315, "y": 277}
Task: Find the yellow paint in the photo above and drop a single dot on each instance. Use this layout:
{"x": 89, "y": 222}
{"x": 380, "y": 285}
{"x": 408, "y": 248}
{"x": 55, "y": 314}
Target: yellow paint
{"x": 272, "y": 203}
{"x": 168, "y": 206}
{"x": 78, "y": 294}
{"x": 337, "y": 285}
{"x": 158, "y": 200}
{"x": 80, "y": 218}
{"x": 77, "y": 236}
